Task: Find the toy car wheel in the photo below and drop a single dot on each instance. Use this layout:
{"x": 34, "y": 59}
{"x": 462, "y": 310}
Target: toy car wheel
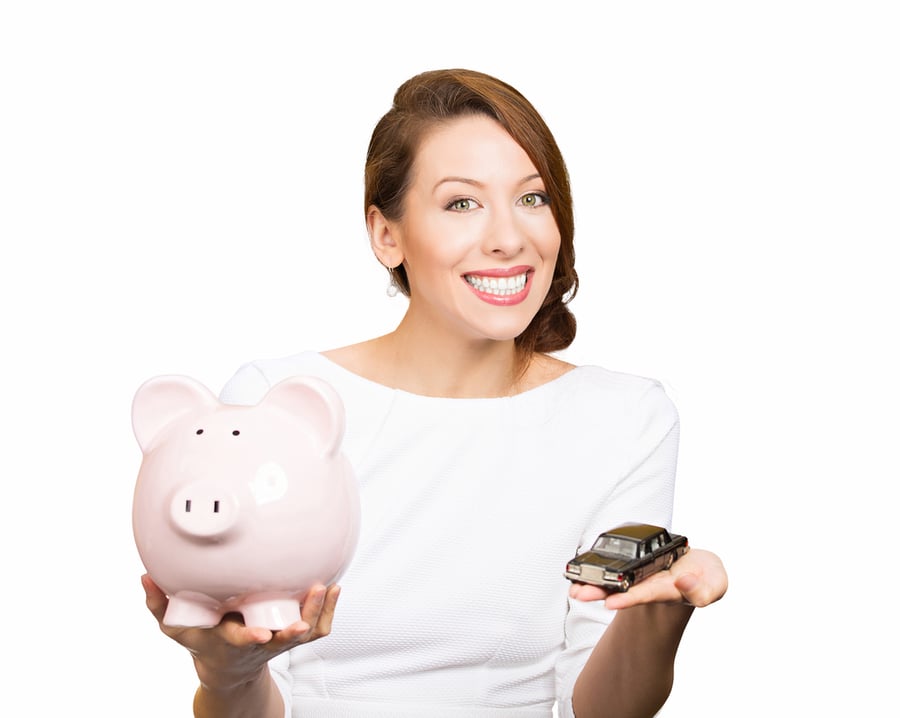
{"x": 626, "y": 583}
{"x": 669, "y": 561}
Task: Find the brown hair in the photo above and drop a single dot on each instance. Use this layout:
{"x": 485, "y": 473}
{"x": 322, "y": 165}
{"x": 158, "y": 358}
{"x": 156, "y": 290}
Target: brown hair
{"x": 439, "y": 96}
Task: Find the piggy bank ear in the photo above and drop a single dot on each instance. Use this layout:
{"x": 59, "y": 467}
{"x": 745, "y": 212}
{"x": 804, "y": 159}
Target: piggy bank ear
{"x": 163, "y": 399}
{"x": 317, "y": 403}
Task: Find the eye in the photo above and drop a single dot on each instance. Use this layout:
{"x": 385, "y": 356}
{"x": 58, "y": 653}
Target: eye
{"x": 199, "y": 431}
{"x": 463, "y": 204}
{"x": 534, "y": 199}
{"x": 235, "y": 433}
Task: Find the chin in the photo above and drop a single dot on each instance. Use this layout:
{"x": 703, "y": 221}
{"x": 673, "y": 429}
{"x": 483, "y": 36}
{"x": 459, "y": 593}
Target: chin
{"x": 503, "y": 333}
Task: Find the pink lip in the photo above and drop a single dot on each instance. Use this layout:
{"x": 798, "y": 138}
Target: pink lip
{"x": 509, "y": 299}
{"x": 501, "y": 272}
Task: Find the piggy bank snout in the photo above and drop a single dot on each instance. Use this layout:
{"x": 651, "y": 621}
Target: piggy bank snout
{"x": 203, "y": 510}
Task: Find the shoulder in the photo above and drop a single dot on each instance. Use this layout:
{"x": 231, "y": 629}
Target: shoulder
{"x": 615, "y": 400}
{"x": 597, "y": 380}
{"x": 252, "y": 380}
{"x": 544, "y": 369}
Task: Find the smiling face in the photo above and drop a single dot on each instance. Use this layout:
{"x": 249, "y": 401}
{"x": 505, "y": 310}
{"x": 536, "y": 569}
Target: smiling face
{"x": 477, "y": 237}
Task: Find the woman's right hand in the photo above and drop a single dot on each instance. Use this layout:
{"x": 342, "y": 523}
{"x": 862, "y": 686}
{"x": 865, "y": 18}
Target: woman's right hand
{"x": 231, "y": 654}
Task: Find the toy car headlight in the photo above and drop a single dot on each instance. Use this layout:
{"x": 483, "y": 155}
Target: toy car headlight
{"x": 573, "y": 568}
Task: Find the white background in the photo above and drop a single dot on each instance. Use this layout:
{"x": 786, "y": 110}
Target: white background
{"x": 180, "y": 192}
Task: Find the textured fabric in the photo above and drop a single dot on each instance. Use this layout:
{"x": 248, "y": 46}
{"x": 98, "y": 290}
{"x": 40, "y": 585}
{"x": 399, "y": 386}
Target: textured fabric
{"x": 455, "y": 602}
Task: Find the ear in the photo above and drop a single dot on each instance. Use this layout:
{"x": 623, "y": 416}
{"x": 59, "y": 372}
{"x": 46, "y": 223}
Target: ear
{"x": 161, "y": 400}
{"x": 314, "y": 401}
{"x": 384, "y": 238}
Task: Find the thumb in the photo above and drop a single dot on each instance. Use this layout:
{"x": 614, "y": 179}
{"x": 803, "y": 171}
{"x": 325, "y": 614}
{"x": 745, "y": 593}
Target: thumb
{"x": 156, "y": 599}
{"x": 689, "y": 586}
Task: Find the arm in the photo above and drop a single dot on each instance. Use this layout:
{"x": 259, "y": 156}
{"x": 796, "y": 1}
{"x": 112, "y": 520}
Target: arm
{"x": 257, "y": 697}
{"x": 620, "y": 652}
{"x": 232, "y": 659}
{"x": 631, "y": 669}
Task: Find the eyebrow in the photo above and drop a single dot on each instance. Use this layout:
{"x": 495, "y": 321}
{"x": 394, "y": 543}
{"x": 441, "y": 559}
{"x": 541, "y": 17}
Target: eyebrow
{"x": 476, "y": 183}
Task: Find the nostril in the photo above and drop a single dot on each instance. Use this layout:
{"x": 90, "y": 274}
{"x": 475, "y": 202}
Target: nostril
{"x": 203, "y": 510}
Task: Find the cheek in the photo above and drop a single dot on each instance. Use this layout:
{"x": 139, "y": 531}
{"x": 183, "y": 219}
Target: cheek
{"x": 550, "y": 244}
{"x": 545, "y": 234}
{"x": 436, "y": 244}
{"x": 554, "y": 247}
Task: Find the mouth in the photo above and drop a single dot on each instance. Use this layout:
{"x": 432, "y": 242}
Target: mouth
{"x": 498, "y": 286}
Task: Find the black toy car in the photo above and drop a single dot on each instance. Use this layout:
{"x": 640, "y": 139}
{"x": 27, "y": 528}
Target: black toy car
{"x": 628, "y": 554}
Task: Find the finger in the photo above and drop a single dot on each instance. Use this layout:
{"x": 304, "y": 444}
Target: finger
{"x": 702, "y": 580}
{"x": 232, "y": 629}
{"x": 326, "y": 617}
{"x": 312, "y": 607}
{"x": 659, "y": 588}
{"x": 291, "y": 636}
{"x": 689, "y": 587}
{"x": 697, "y": 592}
{"x": 156, "y": 599}
{"x": 586, "y": 592}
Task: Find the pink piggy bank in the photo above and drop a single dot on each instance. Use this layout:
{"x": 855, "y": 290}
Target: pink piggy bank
{"x": 242, "y": 508}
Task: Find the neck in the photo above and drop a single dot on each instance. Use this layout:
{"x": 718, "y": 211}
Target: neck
{"x": 435, "y": 365}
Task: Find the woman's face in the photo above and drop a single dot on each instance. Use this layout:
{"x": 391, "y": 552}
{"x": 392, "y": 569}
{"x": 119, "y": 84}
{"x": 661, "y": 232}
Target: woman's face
{"x": 477, "y": 237}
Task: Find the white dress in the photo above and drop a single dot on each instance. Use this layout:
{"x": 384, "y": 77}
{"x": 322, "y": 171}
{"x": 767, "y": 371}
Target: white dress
{"x": 455, "y": 603}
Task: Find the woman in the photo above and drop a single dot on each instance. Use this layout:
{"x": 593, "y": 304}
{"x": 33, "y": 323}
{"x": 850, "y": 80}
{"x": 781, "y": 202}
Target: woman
{"x": 484, "y": 462}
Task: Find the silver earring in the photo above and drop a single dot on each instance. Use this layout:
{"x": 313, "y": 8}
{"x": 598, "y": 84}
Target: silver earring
{"x": 393, "y": 288}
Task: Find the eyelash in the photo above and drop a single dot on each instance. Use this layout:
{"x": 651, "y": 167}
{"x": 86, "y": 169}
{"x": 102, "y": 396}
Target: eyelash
{"x": 542, "y": 196}
{"x": 451, "y": 205}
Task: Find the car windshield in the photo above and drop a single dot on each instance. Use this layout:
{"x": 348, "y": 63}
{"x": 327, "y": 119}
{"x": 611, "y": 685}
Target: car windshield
{"x": 616, "y": 547}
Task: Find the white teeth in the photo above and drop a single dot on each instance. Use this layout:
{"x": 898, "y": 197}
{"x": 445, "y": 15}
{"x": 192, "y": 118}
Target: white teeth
{"x": 498, "y": 286}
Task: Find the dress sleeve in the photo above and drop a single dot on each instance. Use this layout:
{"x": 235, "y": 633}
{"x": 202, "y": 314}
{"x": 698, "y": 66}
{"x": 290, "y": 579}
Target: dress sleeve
{"x": 279, "y": 668}
{"x": 644, "y": 493}
{"x": 248, "y": 386}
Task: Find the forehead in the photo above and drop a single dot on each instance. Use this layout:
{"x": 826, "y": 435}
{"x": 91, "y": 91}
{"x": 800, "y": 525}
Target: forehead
{"x": 473, "y": 146}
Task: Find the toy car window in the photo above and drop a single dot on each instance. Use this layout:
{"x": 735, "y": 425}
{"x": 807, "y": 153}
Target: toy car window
{"x": 616, "y": 547}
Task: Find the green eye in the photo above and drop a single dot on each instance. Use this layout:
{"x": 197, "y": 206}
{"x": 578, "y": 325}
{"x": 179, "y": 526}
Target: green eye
{"x": 461, "y": 205}
{"x": 534, "y": 199}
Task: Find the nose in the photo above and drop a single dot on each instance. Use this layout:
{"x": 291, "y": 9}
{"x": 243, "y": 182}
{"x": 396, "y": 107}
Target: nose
{"x": 504, "y": 237}
{"x": 203, "y": 510}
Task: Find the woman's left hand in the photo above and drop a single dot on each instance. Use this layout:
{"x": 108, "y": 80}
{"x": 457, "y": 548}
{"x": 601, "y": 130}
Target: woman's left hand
{"x": 698, "y": 579}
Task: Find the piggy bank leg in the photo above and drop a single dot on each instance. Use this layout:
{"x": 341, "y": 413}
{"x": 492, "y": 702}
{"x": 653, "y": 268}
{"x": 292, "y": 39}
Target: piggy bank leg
{"x": 196, "y": 610}
{"x": 272, "y": 612}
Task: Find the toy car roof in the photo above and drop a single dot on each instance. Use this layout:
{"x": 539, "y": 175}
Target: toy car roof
{"x": 634, "y": 531}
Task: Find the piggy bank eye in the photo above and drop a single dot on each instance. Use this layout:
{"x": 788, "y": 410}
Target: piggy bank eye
{"x": 235, "y": 432}
{"x": 199, "y": 431}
